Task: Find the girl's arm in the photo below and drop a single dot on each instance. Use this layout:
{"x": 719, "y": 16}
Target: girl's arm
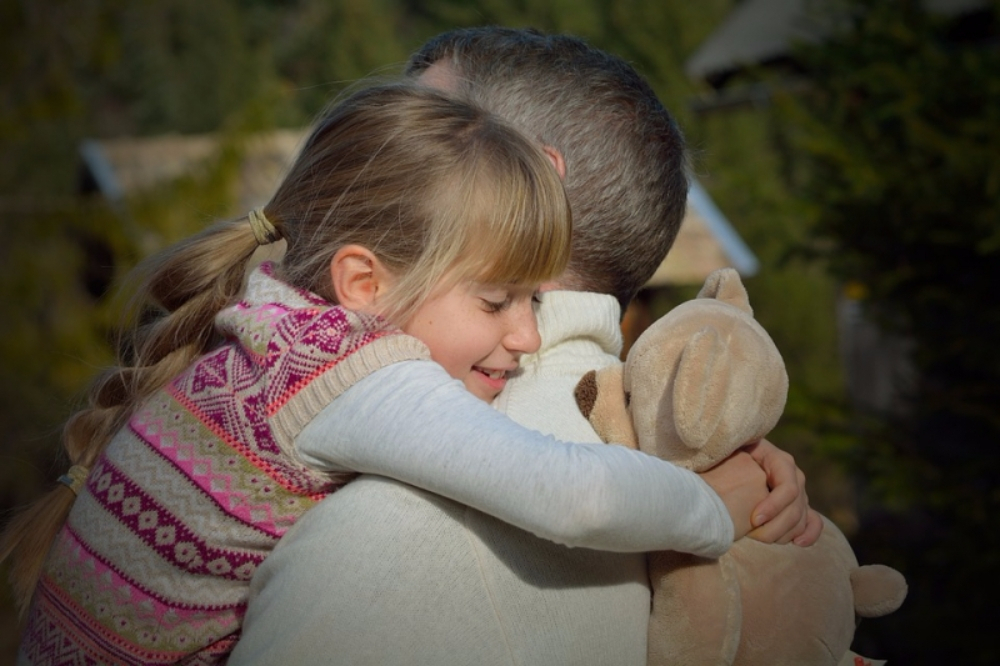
{"x": 412, "y": 422}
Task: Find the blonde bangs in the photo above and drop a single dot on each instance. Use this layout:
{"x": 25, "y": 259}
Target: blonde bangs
{"x": 516, "y": 223}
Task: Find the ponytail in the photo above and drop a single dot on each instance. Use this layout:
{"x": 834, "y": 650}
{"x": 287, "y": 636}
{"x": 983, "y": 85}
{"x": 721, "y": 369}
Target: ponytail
{"x": 181, "y": 291}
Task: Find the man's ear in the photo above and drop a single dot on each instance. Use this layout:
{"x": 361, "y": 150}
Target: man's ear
{"x": 358, "y": 278}
{"x": 557, "y": 160}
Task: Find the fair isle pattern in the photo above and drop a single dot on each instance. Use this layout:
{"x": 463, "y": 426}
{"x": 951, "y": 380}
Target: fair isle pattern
{"x": 153, "y": 565}
{"x": 166, "y": 533}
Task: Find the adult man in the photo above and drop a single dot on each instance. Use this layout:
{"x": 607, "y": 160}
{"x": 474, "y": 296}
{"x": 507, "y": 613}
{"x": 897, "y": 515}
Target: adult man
{"x": 381, "y": 573}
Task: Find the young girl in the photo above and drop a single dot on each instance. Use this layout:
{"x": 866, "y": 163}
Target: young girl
{"x": 429, "y": 224}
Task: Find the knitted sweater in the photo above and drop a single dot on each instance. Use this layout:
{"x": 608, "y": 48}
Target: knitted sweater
{"x": 154, "y": 563}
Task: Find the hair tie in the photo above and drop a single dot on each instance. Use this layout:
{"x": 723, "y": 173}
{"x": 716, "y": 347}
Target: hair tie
{"x": 263, "y": 230}
{"x": 74, "y": 478}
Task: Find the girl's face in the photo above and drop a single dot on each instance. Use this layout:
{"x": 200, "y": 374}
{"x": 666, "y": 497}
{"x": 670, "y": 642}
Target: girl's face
{"x": 478, "y": 332}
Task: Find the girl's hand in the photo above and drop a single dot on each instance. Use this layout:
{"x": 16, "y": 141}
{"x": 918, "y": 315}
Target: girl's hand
{"x": 742, "y": 484}
{"x": 784, "y": 516}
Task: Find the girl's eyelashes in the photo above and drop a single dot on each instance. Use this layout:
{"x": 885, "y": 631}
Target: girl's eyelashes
{"x": 499, "y": 299}
{"x": 496, "y": 306}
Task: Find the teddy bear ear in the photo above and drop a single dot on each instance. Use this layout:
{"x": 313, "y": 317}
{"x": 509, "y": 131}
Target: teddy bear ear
{"x": 701, "y": 387}
{"x": 724, "y": 284}
{"x": 878, "y": 590}
{"x": 601, "y": 397}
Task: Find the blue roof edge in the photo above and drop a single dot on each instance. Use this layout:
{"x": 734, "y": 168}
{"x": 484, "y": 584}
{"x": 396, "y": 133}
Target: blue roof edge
{"x": 100, "y": 168}
{"x": 736, "y": 250}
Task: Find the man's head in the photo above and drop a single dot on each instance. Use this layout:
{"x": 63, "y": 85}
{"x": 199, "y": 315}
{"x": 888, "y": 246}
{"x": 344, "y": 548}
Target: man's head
{"x": 624, "y": 154}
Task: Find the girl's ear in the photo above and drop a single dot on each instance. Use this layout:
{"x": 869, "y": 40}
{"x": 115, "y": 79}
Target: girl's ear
{"x": 359, "y": 278}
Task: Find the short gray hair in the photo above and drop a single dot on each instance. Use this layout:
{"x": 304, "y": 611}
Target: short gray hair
{"x": 625, "y": 158}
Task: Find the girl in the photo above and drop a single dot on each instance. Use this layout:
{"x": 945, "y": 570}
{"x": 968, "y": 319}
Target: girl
{"x": 429, "y": 224}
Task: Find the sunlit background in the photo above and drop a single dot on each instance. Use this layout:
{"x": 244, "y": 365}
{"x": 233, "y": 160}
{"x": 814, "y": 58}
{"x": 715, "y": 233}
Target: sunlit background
{"x": 846, "y": 159}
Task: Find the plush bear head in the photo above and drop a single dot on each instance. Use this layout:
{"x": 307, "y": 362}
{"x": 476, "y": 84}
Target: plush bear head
{"x": 702, "y": 381}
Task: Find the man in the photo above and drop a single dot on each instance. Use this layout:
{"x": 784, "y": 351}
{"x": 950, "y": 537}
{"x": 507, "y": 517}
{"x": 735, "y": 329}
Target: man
{"x": 382, "y": 573}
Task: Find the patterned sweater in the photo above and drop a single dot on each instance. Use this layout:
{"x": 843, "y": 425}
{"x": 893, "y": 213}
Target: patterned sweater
{"x": 154, "y": 563}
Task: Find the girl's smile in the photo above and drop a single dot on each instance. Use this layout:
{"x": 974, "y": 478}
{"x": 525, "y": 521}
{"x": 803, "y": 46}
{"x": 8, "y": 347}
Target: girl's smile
{"x": 478, "y": 332}
{"x": 494, "y": 379}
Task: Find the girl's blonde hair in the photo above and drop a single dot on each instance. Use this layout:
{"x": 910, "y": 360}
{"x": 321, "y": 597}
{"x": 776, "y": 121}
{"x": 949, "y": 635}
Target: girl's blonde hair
{"x": 437, "y": 189}
{"x": 430, "y": 186}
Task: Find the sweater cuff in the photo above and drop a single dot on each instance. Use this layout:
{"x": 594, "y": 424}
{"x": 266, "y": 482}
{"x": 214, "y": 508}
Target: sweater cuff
{"x": 723, "y": 531}
{"x": 307, "y": 403}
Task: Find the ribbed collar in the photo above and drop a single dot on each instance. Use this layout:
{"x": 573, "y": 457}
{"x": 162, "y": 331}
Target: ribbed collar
{"x": 578, "y": 315}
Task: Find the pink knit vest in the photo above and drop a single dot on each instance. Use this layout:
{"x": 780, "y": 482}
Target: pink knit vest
{"x": 153, "y": 565}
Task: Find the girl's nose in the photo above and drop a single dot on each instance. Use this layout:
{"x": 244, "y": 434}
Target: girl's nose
{"x": 522, "y": 335}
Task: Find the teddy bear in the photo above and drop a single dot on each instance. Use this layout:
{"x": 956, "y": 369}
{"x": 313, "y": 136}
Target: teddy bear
{"x": 702, "y": 381}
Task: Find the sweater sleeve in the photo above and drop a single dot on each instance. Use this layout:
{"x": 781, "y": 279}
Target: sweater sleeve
{"x": 412, "y": 422}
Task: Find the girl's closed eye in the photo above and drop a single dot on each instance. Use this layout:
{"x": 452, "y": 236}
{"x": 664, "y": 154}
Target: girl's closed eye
{"x": 495, "y": 300}
{"x": 496, "y": 306}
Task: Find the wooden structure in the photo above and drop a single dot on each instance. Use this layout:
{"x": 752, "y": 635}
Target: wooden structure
{"x": 118, "y": 167}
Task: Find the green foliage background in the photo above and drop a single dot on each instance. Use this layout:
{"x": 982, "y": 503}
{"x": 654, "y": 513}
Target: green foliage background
{"x": 883, "y": 143}
{"x": 898, "y": 153}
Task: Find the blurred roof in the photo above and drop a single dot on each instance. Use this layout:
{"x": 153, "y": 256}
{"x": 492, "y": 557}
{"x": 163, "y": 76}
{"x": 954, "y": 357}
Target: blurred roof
{"x": 118, "y": 167}
{"x": 760, "y": 32}
{"x": 706, "y": 241}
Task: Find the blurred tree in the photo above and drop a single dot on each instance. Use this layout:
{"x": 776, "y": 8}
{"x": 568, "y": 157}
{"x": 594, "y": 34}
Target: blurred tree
{"x": 184, "y": 65}
{"x": 83, "y": 69}
{"x": 899, "y": 141}
{"x": 321, "y": 46}
{"x": 117, "y": 70}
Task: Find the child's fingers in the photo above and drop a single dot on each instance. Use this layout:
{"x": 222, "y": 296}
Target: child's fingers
{"x": 787, "y": 484}
{"x": 784, "y": 516}
{"x": 742, "y": 485}
{"x": 783, "y": 528}
{"x": 814, "y": 528}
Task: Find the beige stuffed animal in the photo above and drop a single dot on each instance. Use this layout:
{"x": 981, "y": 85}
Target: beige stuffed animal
{"x": 702, "y": 381}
